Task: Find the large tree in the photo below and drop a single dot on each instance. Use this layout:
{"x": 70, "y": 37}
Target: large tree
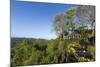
{"x": 63, "y": 23}
{"x": 86, "y": 14}
{"x": 59, "y": 23}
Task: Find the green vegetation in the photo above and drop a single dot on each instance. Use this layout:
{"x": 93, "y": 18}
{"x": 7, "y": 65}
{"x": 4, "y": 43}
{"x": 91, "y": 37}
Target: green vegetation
{"x": 75, "y": 41}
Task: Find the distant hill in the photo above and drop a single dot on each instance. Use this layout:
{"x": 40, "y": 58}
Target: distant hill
{"x": 16, "y": 40}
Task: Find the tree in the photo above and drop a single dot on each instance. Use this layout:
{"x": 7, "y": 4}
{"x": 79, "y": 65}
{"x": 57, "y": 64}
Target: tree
{"x": 63, "y": 23}
{"x": 86, "y": 14}
{"x": 69, "y": 25}
{"x": 59, "y": 22}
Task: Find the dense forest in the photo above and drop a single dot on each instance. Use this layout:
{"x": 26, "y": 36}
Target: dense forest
{"x": 75, "y": 42}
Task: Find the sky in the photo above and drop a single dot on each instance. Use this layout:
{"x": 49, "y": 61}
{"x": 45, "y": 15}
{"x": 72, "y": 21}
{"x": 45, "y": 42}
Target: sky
{"x": 34, "y": 19}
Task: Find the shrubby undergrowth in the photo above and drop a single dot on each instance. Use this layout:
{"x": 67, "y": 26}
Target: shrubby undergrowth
{"x": 50, "y": 52}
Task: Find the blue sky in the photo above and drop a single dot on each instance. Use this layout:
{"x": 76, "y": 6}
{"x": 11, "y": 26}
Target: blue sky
{"x": 34, "y": 19}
